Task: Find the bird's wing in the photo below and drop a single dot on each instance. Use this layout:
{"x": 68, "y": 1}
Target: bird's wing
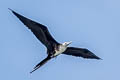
{"x": 39, "y": 30}
{"x": 40, "y": 64}
{"x": 80, "y": 52}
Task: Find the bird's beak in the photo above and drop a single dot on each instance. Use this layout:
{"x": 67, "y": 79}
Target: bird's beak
{"x": 69, "y": 42}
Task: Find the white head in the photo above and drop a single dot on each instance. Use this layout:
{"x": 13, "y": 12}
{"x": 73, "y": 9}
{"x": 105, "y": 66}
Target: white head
{"x": 67, "y": 43}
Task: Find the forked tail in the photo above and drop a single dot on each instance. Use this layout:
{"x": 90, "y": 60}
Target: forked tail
{"x": 40, "y": 64}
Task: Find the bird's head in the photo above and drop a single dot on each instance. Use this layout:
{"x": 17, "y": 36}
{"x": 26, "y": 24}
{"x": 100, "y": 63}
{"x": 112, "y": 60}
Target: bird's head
{"x": 67, "y": 43}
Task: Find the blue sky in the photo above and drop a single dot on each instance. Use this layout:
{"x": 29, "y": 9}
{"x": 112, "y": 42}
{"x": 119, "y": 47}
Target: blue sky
{"x": 92, "y": 24}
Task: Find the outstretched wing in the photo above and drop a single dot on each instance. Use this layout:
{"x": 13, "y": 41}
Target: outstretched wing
{"x": 39, "y": 30}
{"x": 80, "y": 52}
{"x": 40, "y": 64}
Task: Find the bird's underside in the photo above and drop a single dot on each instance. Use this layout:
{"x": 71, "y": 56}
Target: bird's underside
{"x": 43, "y": 35}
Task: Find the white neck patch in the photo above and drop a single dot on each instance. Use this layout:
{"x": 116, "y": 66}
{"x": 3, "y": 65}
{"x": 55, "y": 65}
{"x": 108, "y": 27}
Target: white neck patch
{"x": 62, "y": 48}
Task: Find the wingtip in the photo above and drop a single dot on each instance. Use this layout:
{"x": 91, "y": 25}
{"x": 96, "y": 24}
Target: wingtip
{"x": 98, "y": 58}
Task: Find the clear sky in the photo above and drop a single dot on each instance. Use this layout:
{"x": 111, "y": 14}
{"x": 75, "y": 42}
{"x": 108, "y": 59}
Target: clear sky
{"x": 92, "y": 24}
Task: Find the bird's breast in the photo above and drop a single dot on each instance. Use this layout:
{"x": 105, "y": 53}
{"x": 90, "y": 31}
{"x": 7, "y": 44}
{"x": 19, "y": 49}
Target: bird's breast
{"x": 60, "y": 50}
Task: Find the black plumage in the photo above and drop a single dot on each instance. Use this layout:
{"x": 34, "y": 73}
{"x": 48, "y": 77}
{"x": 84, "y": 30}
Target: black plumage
{"x": 80, "y": 52}
{"x": 41, "y": 63}
{"x": 42, "y": 34}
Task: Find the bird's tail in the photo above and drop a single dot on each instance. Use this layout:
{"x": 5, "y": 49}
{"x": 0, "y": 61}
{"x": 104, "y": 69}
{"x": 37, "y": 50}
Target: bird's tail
{"x": 41, "y": 63}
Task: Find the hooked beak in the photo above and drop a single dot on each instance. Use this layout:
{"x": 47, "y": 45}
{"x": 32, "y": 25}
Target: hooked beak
{"x": 69, "y": 43}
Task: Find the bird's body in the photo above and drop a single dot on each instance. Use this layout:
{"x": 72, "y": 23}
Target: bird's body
{"x": 60, "y": 50}
{"x": 53, "y": 47}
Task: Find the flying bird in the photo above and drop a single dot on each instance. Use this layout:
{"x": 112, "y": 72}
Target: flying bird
{"x": 54, "y": 48}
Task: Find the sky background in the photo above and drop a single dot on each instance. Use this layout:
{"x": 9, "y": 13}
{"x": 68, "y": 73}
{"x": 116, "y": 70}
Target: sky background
{"x": 92, "y": 24}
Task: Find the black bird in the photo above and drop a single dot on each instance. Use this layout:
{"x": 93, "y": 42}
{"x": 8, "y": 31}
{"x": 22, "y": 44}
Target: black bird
{"x": 53, "y": 47}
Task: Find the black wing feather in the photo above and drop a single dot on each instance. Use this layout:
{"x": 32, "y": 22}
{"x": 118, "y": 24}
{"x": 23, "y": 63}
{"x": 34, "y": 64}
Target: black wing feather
{"x": 39, "y": 30}
{"x": 80, "y": 52}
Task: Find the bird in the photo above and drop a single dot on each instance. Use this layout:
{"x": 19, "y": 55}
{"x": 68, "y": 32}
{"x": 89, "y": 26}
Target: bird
{"x": 54, "y": 48}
